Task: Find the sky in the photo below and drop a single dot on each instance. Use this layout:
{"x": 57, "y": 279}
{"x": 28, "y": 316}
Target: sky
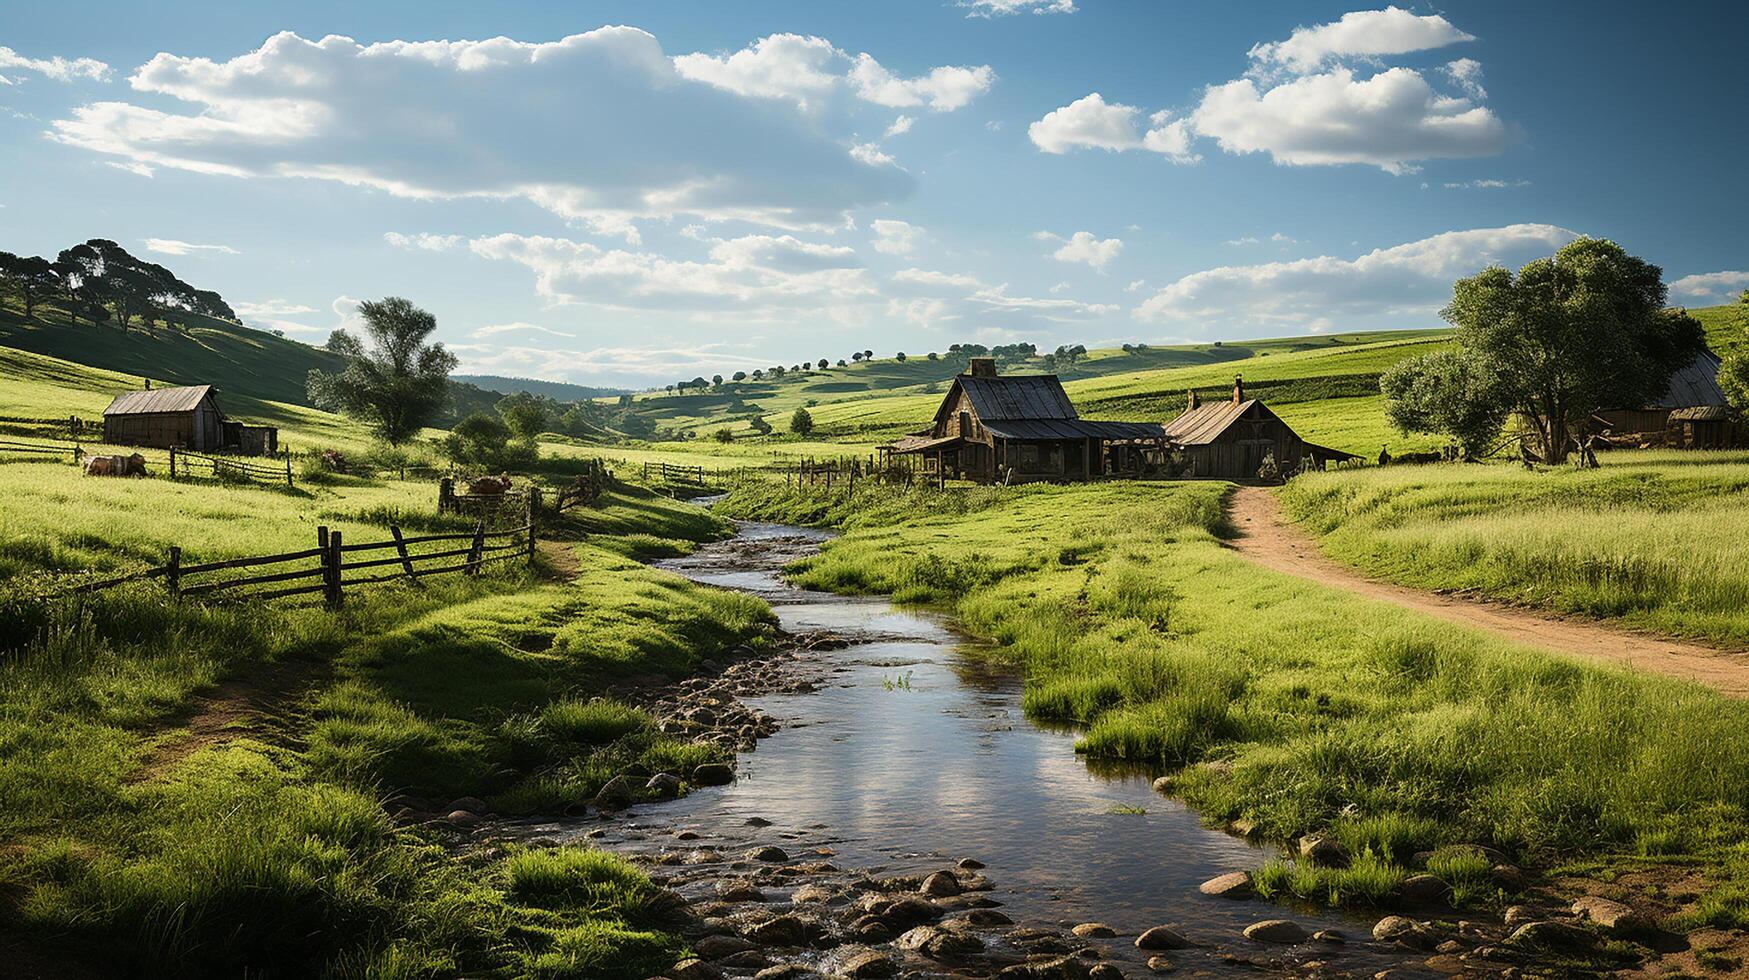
{"x": 638, "y": 193}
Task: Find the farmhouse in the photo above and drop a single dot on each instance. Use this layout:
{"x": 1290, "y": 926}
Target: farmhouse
{"x": 186, "y": 418}
{"x": 1692, "y": 414}
{"x": 1229, "y": 439}
{"x": 1023, "y": 428}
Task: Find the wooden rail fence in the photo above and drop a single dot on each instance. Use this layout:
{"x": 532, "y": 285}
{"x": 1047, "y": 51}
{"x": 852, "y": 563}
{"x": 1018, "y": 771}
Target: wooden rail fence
{"x": 71, "y": 450}
{"x": 227, "y": 466}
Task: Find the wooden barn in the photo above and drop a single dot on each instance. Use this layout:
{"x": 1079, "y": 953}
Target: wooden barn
{"x": 1229, "y": 439}
{"x": 1023, "y": 428}
{"x": 1693, "y": 413}
{"x": 186, "y": 418}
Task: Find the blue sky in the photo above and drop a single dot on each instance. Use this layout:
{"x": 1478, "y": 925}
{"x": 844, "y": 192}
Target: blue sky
{"x": 636, "y": 193}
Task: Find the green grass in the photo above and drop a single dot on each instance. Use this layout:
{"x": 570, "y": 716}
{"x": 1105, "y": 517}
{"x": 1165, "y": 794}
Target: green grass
{"x": 129, "y": 842}
{"x": 1642, "y": 540}
{"x": 1298, "y": 707}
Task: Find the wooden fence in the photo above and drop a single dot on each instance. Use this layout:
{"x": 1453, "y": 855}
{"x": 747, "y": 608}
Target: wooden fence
{"x": 73, "y": 451}
{"x": 671, "y": 473}
{"x": 589, "y": 485}
{"x": 847, "y": 471}
{"x": 225, "y": 466}
{"x": 72, "y": 425}
{"x": 332, "y": 559}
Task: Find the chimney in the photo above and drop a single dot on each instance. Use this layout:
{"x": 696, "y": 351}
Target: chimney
{"x": 1238, "y": 389}
{"x": 982, "y": 367}
{"x": 1195, "y": 402}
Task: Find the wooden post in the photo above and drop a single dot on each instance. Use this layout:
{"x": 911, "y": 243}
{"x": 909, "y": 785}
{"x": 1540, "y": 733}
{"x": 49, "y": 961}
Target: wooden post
{"x": 533, "y": 513}
{"x": 172, "y": 462}
{"x": 332, "y": 567}
{"x": 474, "y": 552}
{"x": 288, "y": 478}
{"x": 173, "y": 570}
{"x": 401, "y": 549}
{"x": 445, "y": 495}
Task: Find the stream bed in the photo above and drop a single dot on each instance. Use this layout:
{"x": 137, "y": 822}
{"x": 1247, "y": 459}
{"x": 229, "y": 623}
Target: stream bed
{"x": 908, "y": 752}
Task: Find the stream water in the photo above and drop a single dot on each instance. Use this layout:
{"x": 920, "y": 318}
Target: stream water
{"x": 914, "y": 752}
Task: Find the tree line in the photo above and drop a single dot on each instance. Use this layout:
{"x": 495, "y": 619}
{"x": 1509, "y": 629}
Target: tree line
{"x": 100, "y": 282}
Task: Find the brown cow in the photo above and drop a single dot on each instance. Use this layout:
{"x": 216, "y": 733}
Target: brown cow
{"x": 134, "y": 465}
{"x": 489, "y": 486}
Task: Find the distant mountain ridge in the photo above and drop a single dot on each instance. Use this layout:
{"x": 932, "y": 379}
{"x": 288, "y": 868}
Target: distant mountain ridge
{"x": 561, "y": 391}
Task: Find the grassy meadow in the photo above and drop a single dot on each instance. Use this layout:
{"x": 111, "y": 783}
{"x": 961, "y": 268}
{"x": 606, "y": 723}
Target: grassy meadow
{"x": 201, "y": 789}
{"x": 1646, "y": 539}
{"x": 1297, "y": 708}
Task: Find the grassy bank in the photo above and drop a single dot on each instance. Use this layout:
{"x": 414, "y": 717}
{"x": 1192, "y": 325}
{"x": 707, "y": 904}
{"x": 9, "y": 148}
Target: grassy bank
{"x": 1645, "y": 539}
{"x": 1298, "y": 709}
{"x": 207, "y": 790}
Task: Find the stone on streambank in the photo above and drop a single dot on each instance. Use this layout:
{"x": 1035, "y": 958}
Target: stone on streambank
{"x": 713, "y": 774}
{"x": 615, "y": 794}
{"x": 1235, "y": 884}
{"x": 866, "y": 964}
{"x": 1160, "y": 964}
{"x": 1163, "y": 785}
{"x": 693, "y": 970}
{"x": 939, "y": 944}
{"x": 1060, "y": 968}
{"x": 1610, "y": 915}
{"x": 1283, "y": 931}
{"x": 1094, "y": 930}
{"x": 941, "y": 884}
{"x": 1324, "y": 851}
{"x": 664, "y": 784}
{"x": 462, "y": 818}
{"x": 1161, "y": 937}
{"x": 768, "y": 854}
{"x": 1404, "y": 931}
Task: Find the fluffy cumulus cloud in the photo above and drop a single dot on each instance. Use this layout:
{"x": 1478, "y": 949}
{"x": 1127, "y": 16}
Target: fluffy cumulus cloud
{"x": 1360, "y": 33}
{"x": 745, "y": 278}
{"x": 519, "y": 326}
{"x": 1004, "y": 8}
{"x": 1083, "y": 247}
{"x": 1093, "y": 123}
{"x": 171, "y": 246}
{"x": 1388, "y": 120}
{"x": 927, "y": 297}
{"x": 57, "y": 68}
{"x": 424, "y": 241}
{"x": 808, "y": 70}
{"x": 1302, "y": 106}
{"x": 1409, "y": 280}
{"x": 895, "y": 237}
{"x": 1710, "y": 284}
{"x": 651, "y": 364}
{"x": 446, "y": 119}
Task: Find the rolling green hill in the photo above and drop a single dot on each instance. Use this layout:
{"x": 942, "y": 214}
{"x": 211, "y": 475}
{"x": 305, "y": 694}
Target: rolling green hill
{"x": 561, "y": 391}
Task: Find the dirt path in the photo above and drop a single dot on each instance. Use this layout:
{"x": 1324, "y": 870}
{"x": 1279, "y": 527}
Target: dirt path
{"x": 1266, "y": 537}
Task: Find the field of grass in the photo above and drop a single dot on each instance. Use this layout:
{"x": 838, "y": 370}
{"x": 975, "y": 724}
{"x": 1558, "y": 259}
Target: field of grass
{"x": 1645, "y": 539}
{"x": 1297, "y": 707}
{"x": 142, "y": 832}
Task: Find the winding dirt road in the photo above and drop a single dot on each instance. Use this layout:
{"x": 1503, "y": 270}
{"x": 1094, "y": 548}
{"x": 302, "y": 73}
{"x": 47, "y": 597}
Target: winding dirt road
{"x": 1267, "y": 538}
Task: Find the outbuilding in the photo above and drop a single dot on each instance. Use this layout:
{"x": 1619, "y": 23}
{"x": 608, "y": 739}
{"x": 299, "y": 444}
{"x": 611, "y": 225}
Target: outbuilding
{"x": 1229, "y": 439}
{"x": 1693, "y": 413}
{"x": 185, "y": 418}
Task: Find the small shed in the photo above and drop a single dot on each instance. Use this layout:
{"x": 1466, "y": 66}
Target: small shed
{"x": 185, "y": 418}
{"x": 1693, "y": 413}
{"x": 1229, "y": 439}
{"x": 1022, "y": 428}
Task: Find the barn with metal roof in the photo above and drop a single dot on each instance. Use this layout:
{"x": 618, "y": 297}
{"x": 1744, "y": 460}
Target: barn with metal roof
{"x": 1022, "y": 428}
{"x": 1229, "y": 439}
{"x": 1693, "y": 414}
{"x": 186, "y": 418}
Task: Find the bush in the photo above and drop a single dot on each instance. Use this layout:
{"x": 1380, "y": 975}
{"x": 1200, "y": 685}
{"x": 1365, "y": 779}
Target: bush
{"x": 801, "y": 423}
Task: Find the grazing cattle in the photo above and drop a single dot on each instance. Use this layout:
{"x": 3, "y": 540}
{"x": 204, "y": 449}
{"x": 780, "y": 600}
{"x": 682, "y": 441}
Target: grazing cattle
{"x": 489, "y": 486}
{"x": 134, "y": 465}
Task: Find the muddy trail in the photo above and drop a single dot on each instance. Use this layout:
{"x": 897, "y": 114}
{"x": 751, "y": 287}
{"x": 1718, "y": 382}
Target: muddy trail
{"x": 894, "y": 810}
{"x": 1269, "y": 539}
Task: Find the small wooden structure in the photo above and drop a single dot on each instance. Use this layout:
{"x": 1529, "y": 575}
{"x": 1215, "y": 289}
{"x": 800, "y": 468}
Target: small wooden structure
{"x": 1023, "y": 428}
{"x": 1693, "y": 413}
{"x": 183, "y": 418}
{"x": 1229, "y": 439}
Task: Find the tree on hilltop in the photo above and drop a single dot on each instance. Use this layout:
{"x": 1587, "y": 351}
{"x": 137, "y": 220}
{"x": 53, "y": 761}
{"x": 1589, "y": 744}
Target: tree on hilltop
{"x": 801, "y": 423}
{"x": 398, "y": 384}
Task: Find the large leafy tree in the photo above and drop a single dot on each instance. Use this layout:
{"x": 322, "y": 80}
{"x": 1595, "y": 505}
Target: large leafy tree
{"x": 1734, "y": 372}
{"x": 527, "y": 415}
{"x": 1564, "y": 337}
{"x": 33, "y": 277}
{"x": 1445, "y": 392}
{"x": 397, "y": 385}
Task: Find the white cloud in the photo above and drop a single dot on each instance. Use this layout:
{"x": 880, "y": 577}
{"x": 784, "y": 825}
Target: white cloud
{"x": 1283, "y": 239}
{"x": 1244, "y": 240}
{"x": 1135, "y": 285}
{"x": 424, "y": 240}
{"x": 1084, "y": 247}
{"x": 895, "y": 237}
{"x": 900, "y": 127}
{"x": 137, "y": 169}
{"x": 1389, "y": 120}
{"x": 448, "y": 119}
{"x": 170, "y": 246}
{"x": 493, "y": 329}
{"x": 57, "y": 68}
{"x": 1466, "y": 73}
{"x": 1360, "y": 33}
{"x": 807, "y": 70}
{"x": 873, "y": 155}
{"x": 1091, "y": 122}
{"x": 1003, "y": 8}
{"x": 655, "y": 363}
{"x": 1409, "y": 280}
{"x": 1485, "y": 184}
{"x": 1711, "y": 284}
{"x": 272, "y": 307}
{"x": 1061, "y": 287}
{"x": 957, "y": 295}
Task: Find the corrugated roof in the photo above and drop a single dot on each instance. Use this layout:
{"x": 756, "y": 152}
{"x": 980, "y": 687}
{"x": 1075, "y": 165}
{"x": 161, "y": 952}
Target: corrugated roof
{"x": 1204, "y": 424}
{"x": 1700, "y": 413}
{"x": 1072, "y": 429}
{"x": 914, "y": 444}
{"x": 1019, "y": 396}
{"x": 155, "y": 400}
{"x": 1695, "y": 385}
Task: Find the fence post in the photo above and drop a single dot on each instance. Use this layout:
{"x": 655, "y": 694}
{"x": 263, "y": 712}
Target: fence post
{"x": 474, "y": 551}
{"x": 533, "y": 513}
{"x": 332, "y": 567}
{"x": 173, "y": 570}
{"x": 445, "y": 494}
{"x": 173, "y": 463}
{"x": 401, "y": 549}
{"x": 288, "y": 479}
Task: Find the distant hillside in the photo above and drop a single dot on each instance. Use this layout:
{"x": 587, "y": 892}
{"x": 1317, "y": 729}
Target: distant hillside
{"x": 556, "y": 390}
